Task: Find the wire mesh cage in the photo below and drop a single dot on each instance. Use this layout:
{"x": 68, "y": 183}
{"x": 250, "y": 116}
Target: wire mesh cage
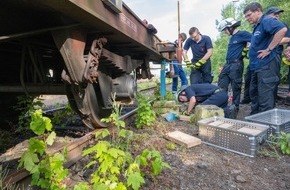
{"x": 277, "y": 119}
{"x": 233, "y": 135}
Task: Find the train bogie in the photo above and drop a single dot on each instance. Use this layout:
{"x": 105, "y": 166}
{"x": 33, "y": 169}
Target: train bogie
{"x": 84, "y": 49}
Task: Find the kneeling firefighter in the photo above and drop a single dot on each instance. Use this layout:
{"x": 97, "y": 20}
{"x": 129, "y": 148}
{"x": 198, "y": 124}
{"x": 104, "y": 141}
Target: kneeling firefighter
{"x": 206, "y": 94}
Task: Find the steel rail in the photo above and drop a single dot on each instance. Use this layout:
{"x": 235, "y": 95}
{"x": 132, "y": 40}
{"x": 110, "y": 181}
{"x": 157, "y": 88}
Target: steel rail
{"x": 74, "y": 148}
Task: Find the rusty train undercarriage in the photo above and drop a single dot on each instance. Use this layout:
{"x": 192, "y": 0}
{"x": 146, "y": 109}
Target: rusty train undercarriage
{"x": 86, "y": 49}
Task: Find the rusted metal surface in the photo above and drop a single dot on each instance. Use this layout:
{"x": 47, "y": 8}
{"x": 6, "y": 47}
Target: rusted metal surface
{"x": 91, "y": 71}
{"x": 124, "y": 29}
{"x": 74, "y": 150}
{"x": 88, "y": 45}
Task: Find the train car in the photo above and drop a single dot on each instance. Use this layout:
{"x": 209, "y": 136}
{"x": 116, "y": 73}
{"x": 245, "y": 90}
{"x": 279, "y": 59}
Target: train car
{"x": 85, "y": 49}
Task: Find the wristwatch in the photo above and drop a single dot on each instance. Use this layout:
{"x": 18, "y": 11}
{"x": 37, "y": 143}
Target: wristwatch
{"x": 269, "y": 50}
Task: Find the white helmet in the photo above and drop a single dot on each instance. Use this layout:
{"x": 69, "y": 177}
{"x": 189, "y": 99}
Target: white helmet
{"x": 226, "y": 23}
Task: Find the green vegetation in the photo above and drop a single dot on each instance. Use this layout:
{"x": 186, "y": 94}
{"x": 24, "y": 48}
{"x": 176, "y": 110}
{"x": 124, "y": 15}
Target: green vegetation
{"x": 145, "y": 115}
{"x": 25, "y": 106}
{"x": 168, "y": 95}
{"x": 283, "y": 142}
{"x": 171, "y": 146}
{"x": 117, "y": 168}
{"x": 60, "y": 115}
{"x": 47, "y": 170}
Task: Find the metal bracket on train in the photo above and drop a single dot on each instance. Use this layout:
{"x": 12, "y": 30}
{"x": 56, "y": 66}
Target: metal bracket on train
{"x": 167, "y": 47}
{"x": 91, "y": 70}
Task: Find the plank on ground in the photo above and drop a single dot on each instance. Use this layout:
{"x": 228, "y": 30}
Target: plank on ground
{"x": 183, "y": 139}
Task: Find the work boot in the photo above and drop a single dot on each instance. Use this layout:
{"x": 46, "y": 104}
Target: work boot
{"x": 233, "y": 112}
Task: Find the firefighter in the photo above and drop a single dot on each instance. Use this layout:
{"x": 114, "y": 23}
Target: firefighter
{"x": 201, "y": 48}
{"x": 267, "y": 34}
{"x": 205, "y": 94}
{"x": 232, "y": 72}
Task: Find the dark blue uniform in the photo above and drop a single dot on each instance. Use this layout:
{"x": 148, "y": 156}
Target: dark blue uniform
{"x": 207, "y": 94}
{"x": 232, "y": 72}
{"x": 202, "y": 75}
{"x": 279, "y": 50}
{"x": 264, "y": 72}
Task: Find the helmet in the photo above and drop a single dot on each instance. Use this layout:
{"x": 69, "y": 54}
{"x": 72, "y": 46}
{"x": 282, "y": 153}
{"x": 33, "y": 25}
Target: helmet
{"x": 226, "y": 23}
{"x": 183, "y": 87}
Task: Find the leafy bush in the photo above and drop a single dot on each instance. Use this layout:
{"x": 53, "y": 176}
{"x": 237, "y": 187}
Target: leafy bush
{"x": 47, "y": 170}
{"x": 26, "y": 105}
{"x": 145, "y": 114}
{"x": 284, "y": 142}
{"x": 117, "y": 169}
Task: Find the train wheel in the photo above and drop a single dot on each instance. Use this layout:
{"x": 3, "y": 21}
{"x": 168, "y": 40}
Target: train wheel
{"x": 87, "y": 102}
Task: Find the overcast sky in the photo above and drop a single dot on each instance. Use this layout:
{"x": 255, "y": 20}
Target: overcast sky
{"x": 163, "y": 15}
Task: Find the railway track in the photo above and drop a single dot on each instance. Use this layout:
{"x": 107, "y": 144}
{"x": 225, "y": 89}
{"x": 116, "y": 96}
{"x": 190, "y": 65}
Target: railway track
{"x": 22, "y": 178}
{"x": 74, "y": 148}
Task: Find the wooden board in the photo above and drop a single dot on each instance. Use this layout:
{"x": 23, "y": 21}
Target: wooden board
{"x": 183, "y": 139}
{"x": 216, "y": 123}
{"x": 225, "y": 125}
{"x": 250, "y": 131}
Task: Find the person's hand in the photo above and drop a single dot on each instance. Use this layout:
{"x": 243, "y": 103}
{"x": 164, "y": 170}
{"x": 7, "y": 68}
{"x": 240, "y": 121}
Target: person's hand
{"x": 245, "y": 53}
{"x": 188, "y": 63}
{"x": 198, "y": 64}
{"x": 263, "y": 53}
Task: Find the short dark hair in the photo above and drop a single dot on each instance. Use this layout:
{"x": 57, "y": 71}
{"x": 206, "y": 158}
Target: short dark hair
{"x": 255, "y": 6}
{"x": 192, "y": 30}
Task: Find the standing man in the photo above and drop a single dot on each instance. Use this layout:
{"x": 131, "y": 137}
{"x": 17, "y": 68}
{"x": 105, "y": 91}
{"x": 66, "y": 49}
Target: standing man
{"x": 267, "y": 34}
{"x": 275, "y": 13}
{"x": 176, "y": 68}
{"x": 201, "y": 47}
{"x": 232, "y": 72}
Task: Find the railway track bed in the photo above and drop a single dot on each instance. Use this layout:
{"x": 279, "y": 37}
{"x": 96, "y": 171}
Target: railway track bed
{"x": 201, "y": 167}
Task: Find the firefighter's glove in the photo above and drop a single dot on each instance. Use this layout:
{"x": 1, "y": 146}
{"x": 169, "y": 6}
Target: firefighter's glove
{"x": 185, "y": 113}
{"x": 188, "y": 63}
{"x": 284, "y": 59}
{"x": 198, "y": 64}
{"x": 245, "y": 53}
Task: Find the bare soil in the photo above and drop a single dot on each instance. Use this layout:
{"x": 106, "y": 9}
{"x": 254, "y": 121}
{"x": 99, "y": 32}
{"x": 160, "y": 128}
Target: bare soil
{"x": 205, "y": 167}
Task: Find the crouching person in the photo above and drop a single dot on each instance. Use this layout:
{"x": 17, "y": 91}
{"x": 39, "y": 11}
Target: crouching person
{"x": 206, "y": 94}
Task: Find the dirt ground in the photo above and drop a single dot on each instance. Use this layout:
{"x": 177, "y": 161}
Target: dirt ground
{"x": 205, "y": 167}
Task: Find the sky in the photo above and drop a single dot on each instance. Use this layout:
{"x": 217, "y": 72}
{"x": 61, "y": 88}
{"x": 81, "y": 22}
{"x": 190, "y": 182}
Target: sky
{"x": 163, "y": 15}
